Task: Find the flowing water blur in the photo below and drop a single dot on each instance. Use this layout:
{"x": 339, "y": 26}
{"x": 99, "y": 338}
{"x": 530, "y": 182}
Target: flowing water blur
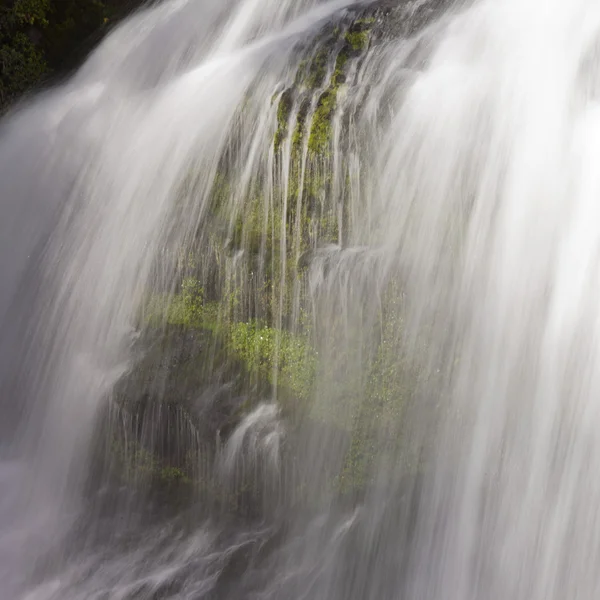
{"x": 449, "y": 287}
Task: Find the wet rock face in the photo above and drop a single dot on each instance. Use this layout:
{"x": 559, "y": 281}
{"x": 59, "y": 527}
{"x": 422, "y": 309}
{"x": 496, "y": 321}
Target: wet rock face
{"x": 185, "y": 367}
{"x": 406, "y": 17}
{"x": 171, "y": 411}
{"x": 202, "y": 367}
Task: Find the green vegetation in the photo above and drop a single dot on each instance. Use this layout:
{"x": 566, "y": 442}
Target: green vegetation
{"x": 358, "y": 35}
{"x": 278, "y": 356}
{"x": 358, "y": 40}
{"x": 320, "y": 133}
{"x": 311, "y": 76}
{"x": 298, "y": 135}
{"x": 317, "y": 70}
{"x": 39, "y": 38}
{"x": 312, "y": 128}
{"x": 283, "y": 115}
{"x": 269, "y": 354}
{"x": 392, "y": 381}
{"x": 172, "y": 475}
{"x": 22, "y": 66}
{"x": 136, "y": 463}
{"x": 321, "y": 127}
{"x": 22, "y": 61}
{"x": 272, "y": 354}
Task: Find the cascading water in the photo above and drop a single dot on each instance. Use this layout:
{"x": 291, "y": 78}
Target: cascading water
{"x": 299, "y": 300}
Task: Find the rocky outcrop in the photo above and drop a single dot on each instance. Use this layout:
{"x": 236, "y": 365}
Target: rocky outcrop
{"x": 238, "y": 332}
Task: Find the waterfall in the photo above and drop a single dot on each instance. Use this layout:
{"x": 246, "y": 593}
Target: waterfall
{"x": 299, "y": 300}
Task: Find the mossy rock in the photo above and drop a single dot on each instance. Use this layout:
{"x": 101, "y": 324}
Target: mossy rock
{"x": 284, "y": 109}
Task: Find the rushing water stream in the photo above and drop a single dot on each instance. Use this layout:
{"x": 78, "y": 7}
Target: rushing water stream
{"x": 333, "y": 268}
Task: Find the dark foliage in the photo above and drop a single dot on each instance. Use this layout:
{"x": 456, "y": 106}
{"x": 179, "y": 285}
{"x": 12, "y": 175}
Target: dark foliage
{"x": 43, "y": 38}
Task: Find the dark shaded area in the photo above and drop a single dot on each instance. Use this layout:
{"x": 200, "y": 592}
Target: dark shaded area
{"x": 40, "y": 39}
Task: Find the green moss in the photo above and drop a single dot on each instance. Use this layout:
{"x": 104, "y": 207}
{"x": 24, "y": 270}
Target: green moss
{"x": 301, "y": 72}
{"x": 267, "y": 353}
{"x": 252, "y": 226}
{"x": 317, "y": 69}
{"x": 274, "y": 354}
{"x": 173, "y": 475}
{"x": 187, "y": 308}
{"x": 321, "y": 127}
{"x": 283, "y": 115}
{"x": 340, "y": 65}
{"x": 378, "y": 425}
{"x": 357, "y": 37}
{"x": 298, "y": 135}
{"x": 359, "y": 459}
{"x": 365, "y": 21}
{"x": 221, "y": 191}
{"x": 133, "y": 461}
{"x": 358, "y": 40}
{"x": 136, "y": 464}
